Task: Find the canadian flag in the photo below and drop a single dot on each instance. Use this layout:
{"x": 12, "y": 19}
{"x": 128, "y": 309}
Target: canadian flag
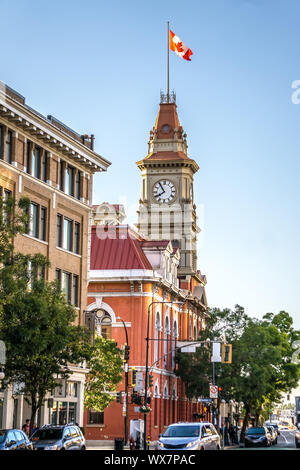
{"x": 179, "y": 47}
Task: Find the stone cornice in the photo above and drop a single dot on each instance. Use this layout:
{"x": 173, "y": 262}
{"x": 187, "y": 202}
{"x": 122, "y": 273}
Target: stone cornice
{"x": 32, "y": 123}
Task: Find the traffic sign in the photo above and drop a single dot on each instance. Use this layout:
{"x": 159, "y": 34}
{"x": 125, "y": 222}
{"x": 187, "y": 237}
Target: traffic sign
{"x": 213, "y": 391}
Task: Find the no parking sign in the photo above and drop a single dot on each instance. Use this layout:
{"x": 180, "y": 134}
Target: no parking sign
{"x": 213, "y": 391}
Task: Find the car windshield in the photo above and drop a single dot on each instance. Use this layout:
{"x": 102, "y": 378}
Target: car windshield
{"x": 256, "y": 431}
{"x": 182, "y": 431}
{"x": 2, "y": 436}
{"x": 47, "y": 434}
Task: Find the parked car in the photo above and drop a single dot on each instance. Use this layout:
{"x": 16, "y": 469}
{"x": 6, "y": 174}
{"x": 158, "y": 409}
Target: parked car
{"x": 51, "y": 437}
{"x": 284, "y": 428}
{"x": 258, "y": 436}
{"x": 297, "y": 439}
{"x": 189, "y": 436}
{"x": 14, "y": 439}
{"x": 273, "y": 433}
{"x": 275, "y": 426}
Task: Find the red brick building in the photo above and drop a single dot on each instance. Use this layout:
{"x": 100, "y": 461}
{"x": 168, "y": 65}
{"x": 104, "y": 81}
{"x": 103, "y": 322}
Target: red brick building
{"x": 150, "y": 271}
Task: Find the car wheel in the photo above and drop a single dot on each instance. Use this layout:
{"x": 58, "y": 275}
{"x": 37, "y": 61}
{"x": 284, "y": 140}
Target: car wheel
{"x": 297, "y": 445}
{"x": 83, "y": 448}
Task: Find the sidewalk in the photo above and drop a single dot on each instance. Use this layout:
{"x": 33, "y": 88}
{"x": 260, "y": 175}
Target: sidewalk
{"x": 100, "y": 445}
{"x": 110, "y": 445}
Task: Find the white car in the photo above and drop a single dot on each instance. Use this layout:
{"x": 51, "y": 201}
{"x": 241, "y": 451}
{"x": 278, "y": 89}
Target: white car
{"x": 189, "y": 436}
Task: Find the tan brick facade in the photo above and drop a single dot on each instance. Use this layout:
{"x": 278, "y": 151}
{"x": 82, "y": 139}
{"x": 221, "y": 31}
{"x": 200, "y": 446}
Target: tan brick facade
{"x": 37, "y": 155}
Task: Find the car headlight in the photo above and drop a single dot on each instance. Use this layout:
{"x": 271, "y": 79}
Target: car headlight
{"x": 191, "y": 444}
{"x": 54, "y": 447}
{"x": 161, "y": 444}
{"x": 297, "y": 435}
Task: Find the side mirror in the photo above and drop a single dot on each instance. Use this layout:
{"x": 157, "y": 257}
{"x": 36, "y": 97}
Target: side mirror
{"x": 10, "y": 443}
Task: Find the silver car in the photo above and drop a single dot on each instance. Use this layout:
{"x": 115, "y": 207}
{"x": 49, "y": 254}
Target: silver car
{"x": 189, "y": 436}
{"x": 64, "y": 437}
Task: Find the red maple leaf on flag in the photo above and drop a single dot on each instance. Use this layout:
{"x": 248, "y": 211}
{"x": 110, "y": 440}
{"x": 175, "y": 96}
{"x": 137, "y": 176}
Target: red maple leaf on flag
{"x": 179, "y": 47}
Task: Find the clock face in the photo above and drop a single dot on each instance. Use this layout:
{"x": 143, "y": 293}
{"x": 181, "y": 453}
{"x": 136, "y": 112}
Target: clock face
{"x": 164, "y": 191}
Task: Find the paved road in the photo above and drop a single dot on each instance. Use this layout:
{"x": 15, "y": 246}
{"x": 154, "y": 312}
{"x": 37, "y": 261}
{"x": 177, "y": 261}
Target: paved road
{"x": 285, "y": 441}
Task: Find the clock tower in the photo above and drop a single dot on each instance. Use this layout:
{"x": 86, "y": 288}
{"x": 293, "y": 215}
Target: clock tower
{"x": 166, "y": 208}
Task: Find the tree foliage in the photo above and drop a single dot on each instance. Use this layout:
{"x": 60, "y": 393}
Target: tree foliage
{"x": 105, "y": 373}
{"x": 263, "y": 365}
{"x": 36, "y": 322}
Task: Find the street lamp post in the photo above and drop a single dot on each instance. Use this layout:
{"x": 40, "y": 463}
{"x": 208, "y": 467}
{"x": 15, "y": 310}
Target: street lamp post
{"x": 223, "y": 423}
{"x": 236, "y": 416}
{"x": 126, "y": 367}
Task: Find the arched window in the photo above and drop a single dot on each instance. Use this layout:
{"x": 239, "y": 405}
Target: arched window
{"x": 174, "y": 345}
{"x": 103, "y": 324}
{"x": 157, "y": 329}
{"x": 167, "y": 332}
{"x": 156, "y": 404}
{"x": 173, "y": 419}
{"x": 165, "y": 404}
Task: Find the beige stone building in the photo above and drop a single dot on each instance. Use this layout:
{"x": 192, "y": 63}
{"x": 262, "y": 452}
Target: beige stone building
{"x": 42, "y": 158}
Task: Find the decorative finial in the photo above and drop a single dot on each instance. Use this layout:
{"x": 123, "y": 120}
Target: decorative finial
{"x": 167, "y": 98}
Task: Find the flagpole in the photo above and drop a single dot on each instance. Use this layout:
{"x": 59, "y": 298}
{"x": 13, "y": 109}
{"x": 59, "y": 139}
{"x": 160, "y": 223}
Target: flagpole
{"x": 168, "y": 62}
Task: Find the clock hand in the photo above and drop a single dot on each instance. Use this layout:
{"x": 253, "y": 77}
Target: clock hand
{"x": 162, "y": 188}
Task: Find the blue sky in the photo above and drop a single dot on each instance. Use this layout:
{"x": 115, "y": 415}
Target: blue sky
{"x": 99, "y": 67}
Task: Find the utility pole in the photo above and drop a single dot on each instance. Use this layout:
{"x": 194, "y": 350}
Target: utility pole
{"x": 126, "y": 367}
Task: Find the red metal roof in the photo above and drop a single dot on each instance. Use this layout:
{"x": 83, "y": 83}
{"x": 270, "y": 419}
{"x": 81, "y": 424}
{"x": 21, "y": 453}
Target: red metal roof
{"x": 123, "y": 251}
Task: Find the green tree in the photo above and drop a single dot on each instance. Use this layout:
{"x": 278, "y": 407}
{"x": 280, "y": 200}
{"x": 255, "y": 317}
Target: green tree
{"x": 262, "y": 363}
{"x": 41, "y": 341}
{"x": 105, "y": 373}
{"x": 36, "y": 322}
